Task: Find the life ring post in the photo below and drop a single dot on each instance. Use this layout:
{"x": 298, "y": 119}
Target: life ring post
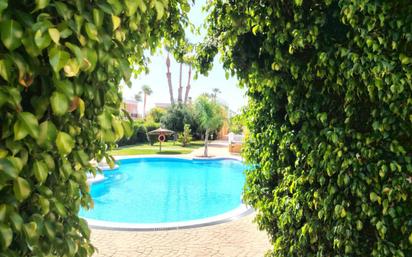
{"x": 161, "y": 138}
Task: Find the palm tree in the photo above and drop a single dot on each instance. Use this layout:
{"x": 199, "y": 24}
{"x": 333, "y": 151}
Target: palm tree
{"x": 188, "y": 84}
{"x": 210, "y": 117}
{"x": 169, "y": 80}
{"x": 215, "y": 91}
{"x": 146, "y": 91}
{"x": 180, "y": 89}
{"x": 138, "y": 98}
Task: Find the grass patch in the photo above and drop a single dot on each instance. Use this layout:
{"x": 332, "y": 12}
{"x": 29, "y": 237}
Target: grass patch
{"x": 167, "y": 148}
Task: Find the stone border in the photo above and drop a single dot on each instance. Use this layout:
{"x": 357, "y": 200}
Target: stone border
{"x": 235, "y": 214}
{"x": 189, "y": 158}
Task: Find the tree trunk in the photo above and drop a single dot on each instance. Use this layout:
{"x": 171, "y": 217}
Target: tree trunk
{"x": 169, "y": 81}
{"x": 144, "y": 106}
{"x": 206, "y": 142}
{"x": 179, "y": 92}
{"x": 188, "y": 85}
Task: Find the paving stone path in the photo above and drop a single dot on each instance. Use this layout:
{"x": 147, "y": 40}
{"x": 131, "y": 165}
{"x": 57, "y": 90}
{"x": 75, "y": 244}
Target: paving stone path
{"x": 236, "y": 238}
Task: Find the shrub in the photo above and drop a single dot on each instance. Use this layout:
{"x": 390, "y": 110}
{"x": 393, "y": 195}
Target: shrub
{"x": 178, "y": 115}
{"x": 236, "y": 124}
{"x": 329, "y": 86}
{"x": 185, "y": 137}
{"x": 150, "y": 125}
{"x": 139, "y": 135}
{"x": 156, "y": 114}
{"x": 61, "y": 64}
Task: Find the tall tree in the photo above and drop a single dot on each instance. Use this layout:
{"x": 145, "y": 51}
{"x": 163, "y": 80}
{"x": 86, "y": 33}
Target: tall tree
{"x": 210, "y": 117}
{"x": 138, "y": 99}
{"x": 188, "y": 84}
{"x": 215, "y": 92}
{"x": 169, "y": 80}
{"x": 147, "y": 90}
{"x": 180, "y": 89}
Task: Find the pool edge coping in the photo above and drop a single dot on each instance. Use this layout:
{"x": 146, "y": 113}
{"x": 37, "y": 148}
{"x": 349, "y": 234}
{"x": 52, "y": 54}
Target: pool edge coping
{"x": 235, "y": 214}
{"x": 184, "y": 157}
{"x": 232, "y": 215}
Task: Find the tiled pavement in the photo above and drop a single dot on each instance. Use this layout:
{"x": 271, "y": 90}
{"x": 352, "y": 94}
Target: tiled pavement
{"x": 236, "y": 238}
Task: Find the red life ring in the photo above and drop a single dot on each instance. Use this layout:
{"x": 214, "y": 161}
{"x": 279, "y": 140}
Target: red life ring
{"x": 161, "y": 138}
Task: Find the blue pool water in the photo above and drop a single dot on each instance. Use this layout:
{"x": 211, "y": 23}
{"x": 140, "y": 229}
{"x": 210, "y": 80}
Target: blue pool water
{"x": 158, "y": 190}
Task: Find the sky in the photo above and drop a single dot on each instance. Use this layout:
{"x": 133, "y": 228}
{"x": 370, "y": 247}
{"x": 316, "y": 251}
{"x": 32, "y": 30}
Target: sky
{"x": 231, "y": 94}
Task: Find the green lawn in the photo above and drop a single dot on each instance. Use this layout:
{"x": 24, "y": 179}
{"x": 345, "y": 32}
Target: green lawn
{"x": 167, "y": 148}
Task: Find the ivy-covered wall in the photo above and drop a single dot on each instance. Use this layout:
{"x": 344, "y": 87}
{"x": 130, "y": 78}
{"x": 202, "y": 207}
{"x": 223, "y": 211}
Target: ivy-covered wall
{"x": 61, "y": 63}
{"x": 330, "y": 116}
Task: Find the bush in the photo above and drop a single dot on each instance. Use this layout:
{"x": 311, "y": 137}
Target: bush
{"x": 329, "y": 86}
{"x": 139, "y": 135}
{"x": 236, "y": 124}
{"x": 61, "y": 65}
{"x": 150, "y": 125}
{"x": 177, "y": 116}
{"x": 185, "y": 137}
{"x": 156, "y": 114}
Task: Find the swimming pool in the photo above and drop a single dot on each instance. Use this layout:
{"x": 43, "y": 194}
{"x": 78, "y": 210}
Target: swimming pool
{"x": 150, "y": 192}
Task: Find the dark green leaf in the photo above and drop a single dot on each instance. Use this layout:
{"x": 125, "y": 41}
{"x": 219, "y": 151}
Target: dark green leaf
{"x": 91, "y": 31}
{"x": 3, "y": 209}
{"x": 40, "y": 171}
{"x": 16, "y": 221}
{"x": 26, "y": 124}
{"x": 48, "y": 133}
{"x": 42, "y": 40}
{"x": 5, "y": 70}
{"x": 21, "y": 189}
{"x": 11, "y": 34}
{"x": 30, "y": 230}
{"x": 58, "y": 58}
{"x": 6, "y": 236}
{"x": 3, "y": 5}
{"x": 59, "y": 103}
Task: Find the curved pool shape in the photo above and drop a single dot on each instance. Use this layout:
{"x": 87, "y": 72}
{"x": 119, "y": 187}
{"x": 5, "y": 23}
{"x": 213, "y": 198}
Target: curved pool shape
{"x": 166, "y": 191}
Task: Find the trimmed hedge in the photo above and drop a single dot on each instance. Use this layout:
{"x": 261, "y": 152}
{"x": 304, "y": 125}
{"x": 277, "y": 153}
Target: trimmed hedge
{"x": 329, "y": 85}
{"x": 61, "y": 63}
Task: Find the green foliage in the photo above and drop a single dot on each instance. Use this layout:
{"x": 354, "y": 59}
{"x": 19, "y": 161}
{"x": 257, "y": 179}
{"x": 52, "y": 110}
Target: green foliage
{"x": 147, "y": 90}
{"x": 61, "y": 64}
{"x": 177, "y": 116}
{"x": 139, "y": 135}
{"x": 208, "y": 113}
{"x": 156, "y": 114}
{"x": 185, "y": 137}
{"x": 210, "y": 116}
{"x": 151, "y": 125}
{"x": 329, "y": 86}
{"x": 236, "y": 124}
